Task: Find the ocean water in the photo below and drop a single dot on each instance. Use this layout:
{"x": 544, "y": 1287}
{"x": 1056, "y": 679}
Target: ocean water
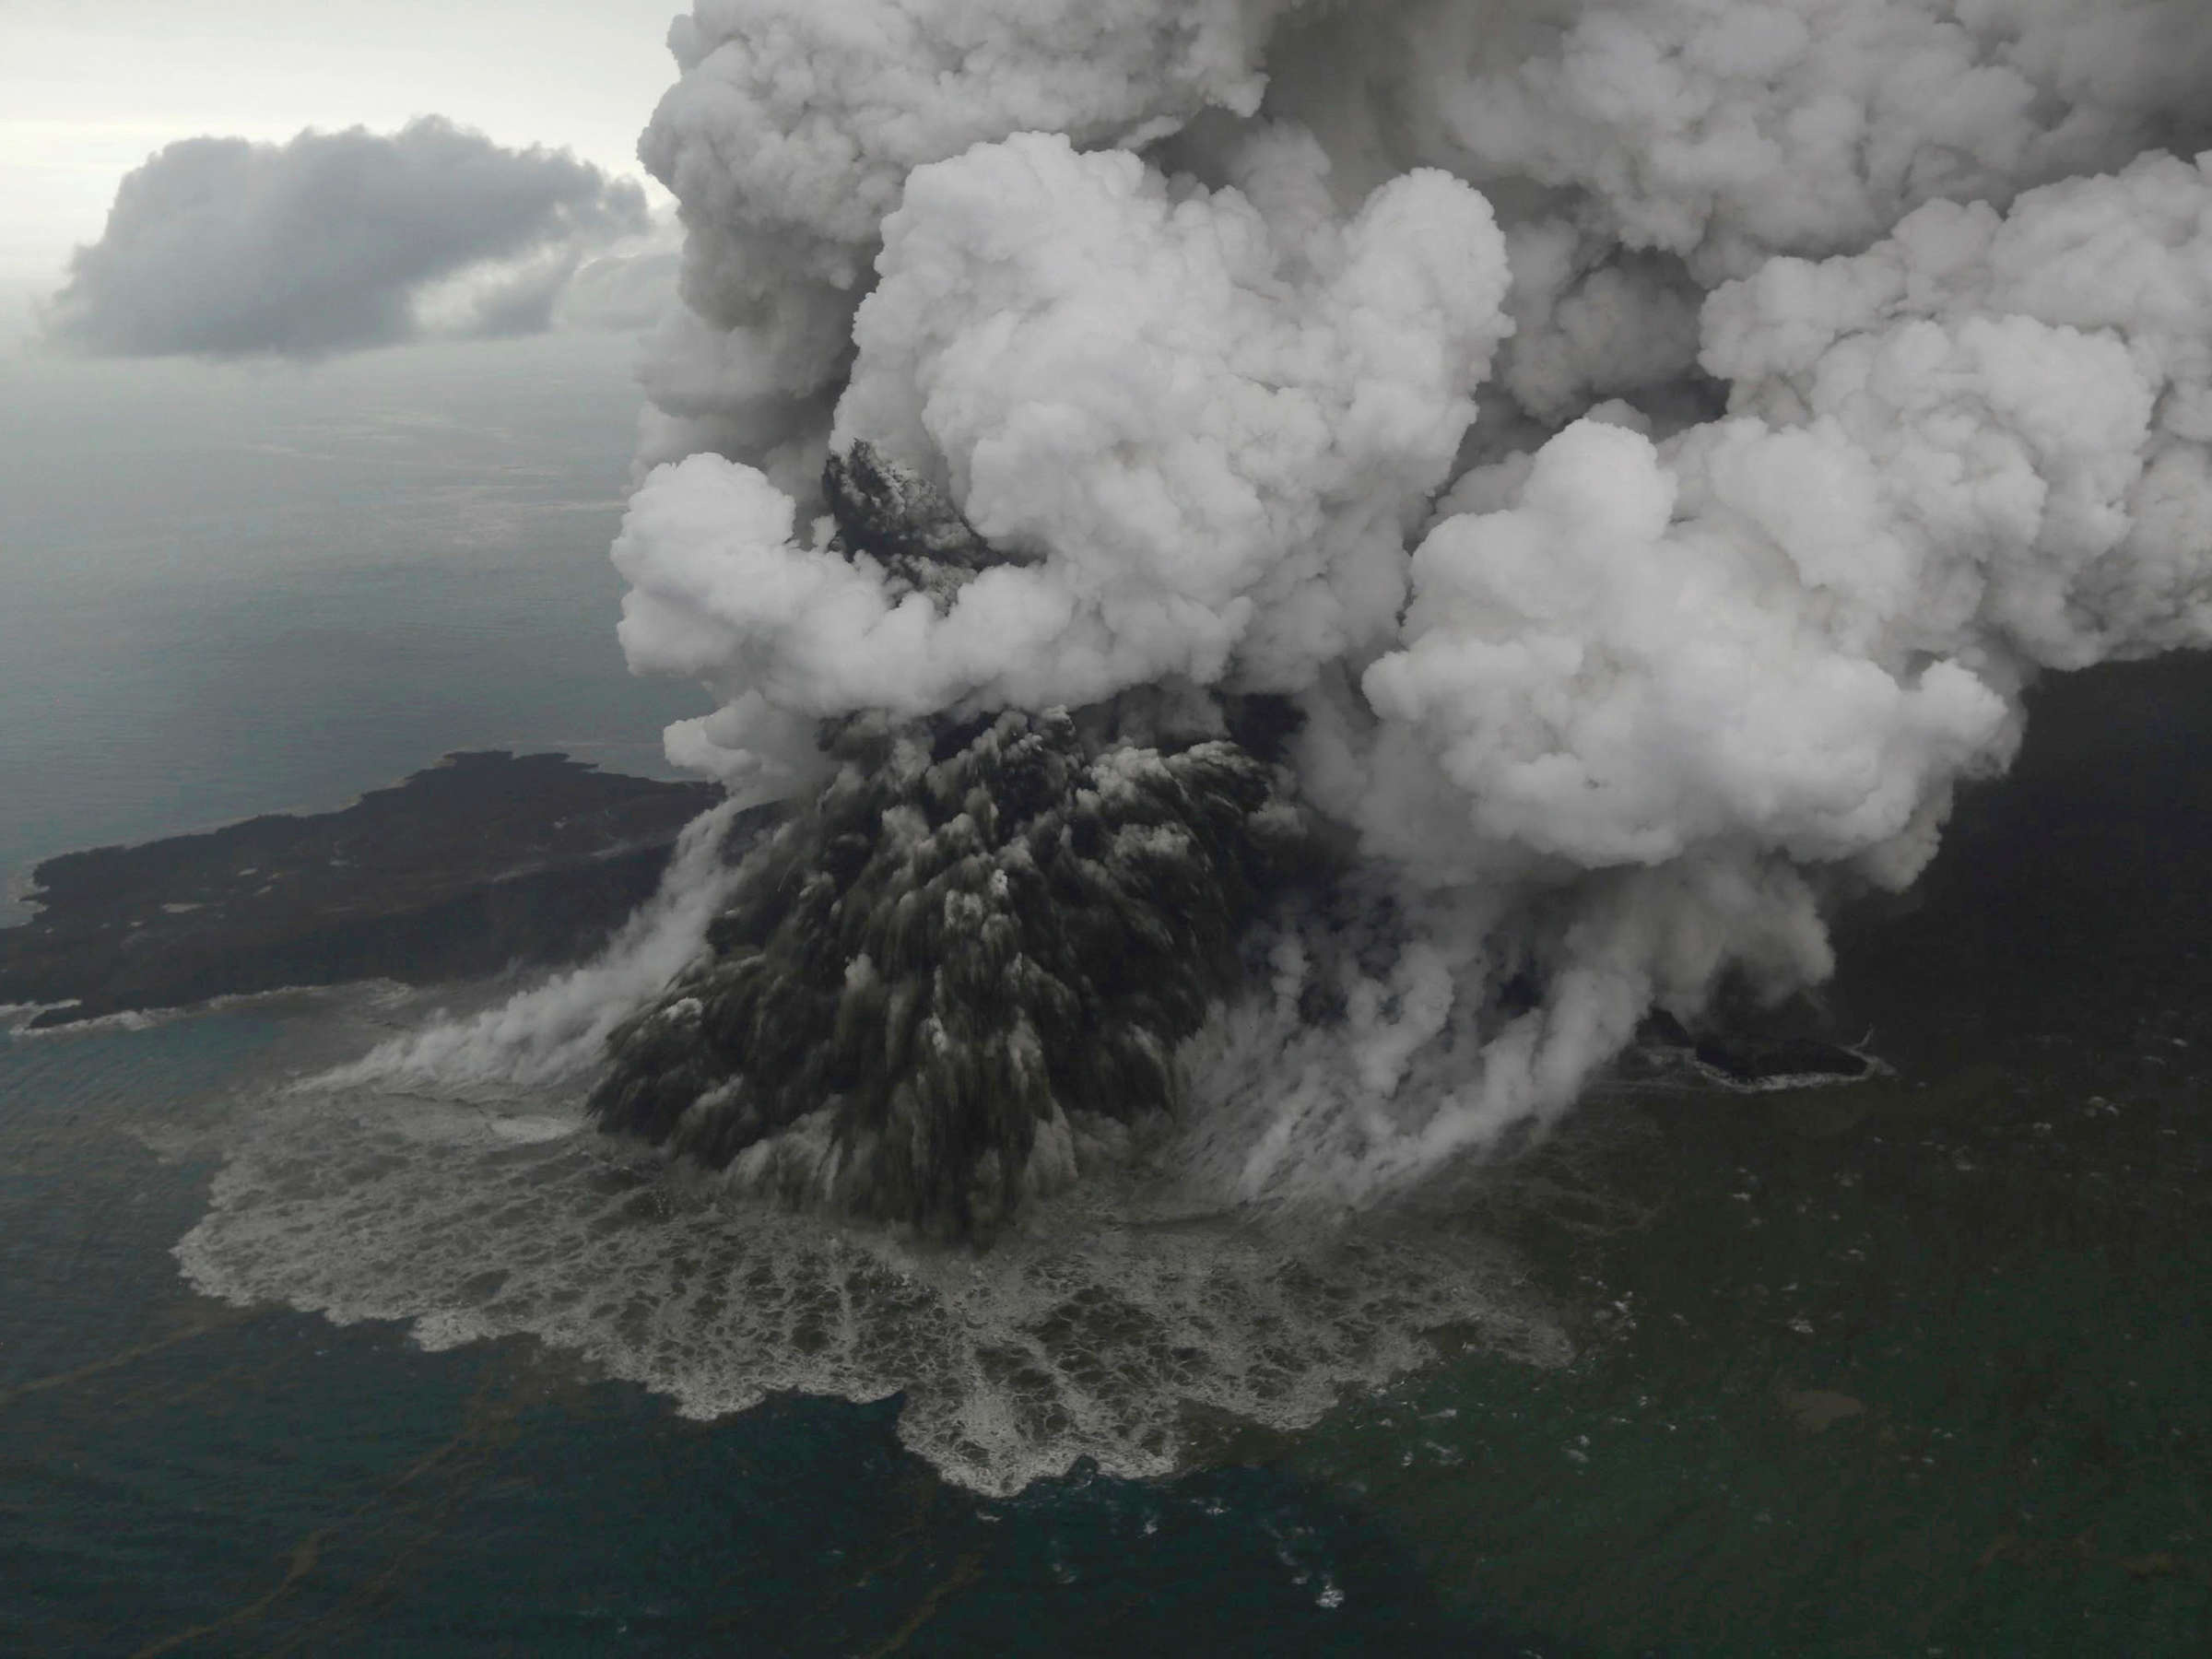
{"x": 239, "y": 590}
{"x": 1916, "y": 1367}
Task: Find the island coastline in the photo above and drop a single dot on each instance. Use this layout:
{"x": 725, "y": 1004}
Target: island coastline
{"x": 483, "y": 862}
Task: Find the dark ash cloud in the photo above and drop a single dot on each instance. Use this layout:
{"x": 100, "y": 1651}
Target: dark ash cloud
{"x": 333, "y": 242}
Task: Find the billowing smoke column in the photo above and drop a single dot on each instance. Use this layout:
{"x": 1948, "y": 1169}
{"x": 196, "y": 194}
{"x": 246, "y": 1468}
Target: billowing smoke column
{"x": 1650, "y": 444}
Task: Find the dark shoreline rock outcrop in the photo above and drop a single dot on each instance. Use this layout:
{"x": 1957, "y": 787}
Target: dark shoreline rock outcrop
{"x": 483, "y": 860}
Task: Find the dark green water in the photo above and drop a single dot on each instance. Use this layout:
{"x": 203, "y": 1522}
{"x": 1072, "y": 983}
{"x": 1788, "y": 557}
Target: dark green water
{"x": 1923, "y": 1376}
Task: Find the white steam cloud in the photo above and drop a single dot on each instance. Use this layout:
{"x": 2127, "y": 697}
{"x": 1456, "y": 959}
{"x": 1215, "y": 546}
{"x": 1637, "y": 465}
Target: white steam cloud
{"x": 561, "y": 1028}
{"x": 335, "y": 241}
{"x": 1654, "y": 440}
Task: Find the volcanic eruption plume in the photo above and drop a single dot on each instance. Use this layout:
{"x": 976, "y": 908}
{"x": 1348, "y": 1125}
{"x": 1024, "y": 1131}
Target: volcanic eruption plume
{"x": 1601, "y": 472}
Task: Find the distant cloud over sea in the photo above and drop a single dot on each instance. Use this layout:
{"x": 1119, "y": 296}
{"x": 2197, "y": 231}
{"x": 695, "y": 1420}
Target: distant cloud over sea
{"x": 335, "y": 241}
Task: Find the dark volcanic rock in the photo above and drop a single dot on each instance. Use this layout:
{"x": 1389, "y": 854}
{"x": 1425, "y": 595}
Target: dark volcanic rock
{"x": 1751, "y": 1049}
{"x": 906, "y": 523}
{"x": 479, "y": 861}
{"x": 1749, "y": 1061}
{"x": 969, "y": 933}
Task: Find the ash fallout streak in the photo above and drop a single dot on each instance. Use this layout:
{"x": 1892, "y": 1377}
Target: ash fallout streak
{"x": 1631, "y": 455}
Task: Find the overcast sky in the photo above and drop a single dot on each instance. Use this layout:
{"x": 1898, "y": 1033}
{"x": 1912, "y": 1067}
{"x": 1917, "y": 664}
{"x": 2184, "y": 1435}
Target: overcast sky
{"x": 87, "y": 91}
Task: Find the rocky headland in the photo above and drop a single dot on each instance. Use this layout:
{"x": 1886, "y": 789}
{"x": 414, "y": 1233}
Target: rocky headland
{"x": 481, "y": 861}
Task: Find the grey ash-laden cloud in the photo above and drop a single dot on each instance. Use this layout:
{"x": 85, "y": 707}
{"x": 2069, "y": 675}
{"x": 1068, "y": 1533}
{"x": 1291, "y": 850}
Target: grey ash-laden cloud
{"x": 337, "y": 241}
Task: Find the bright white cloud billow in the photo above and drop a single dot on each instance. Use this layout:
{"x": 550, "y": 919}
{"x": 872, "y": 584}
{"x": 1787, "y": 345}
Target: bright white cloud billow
{"x": 1216, "y": 426}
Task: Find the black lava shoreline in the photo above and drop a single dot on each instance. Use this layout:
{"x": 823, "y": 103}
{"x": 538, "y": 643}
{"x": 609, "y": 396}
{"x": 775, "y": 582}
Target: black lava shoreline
{"x": 479, "y": 862}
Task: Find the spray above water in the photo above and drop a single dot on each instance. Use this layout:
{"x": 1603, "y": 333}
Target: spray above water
{"x": 554, "y": 1030}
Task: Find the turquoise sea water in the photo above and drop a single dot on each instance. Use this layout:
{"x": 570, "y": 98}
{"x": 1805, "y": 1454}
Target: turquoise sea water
{"x": 1914, "y": 1367}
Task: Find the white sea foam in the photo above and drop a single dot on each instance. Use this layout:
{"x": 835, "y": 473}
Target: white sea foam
{"x": 16, "y": 1021}
{"x": 474, "y": 1212}
{"x": 365, "y": 997}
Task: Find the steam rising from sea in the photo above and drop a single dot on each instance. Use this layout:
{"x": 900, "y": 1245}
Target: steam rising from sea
{"x": 1654, "y": 442}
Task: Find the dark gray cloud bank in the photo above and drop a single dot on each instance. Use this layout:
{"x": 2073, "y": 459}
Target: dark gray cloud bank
{"x": 333, "y": 242}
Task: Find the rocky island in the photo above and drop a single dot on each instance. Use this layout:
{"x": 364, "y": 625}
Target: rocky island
{"x": 483, "y": 860}
{"x": 977, "y": 935}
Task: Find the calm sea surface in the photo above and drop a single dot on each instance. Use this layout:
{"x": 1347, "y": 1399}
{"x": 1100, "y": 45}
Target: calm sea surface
{"x": 233, "y": 591}
{"x": 1913, "y": 1367}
